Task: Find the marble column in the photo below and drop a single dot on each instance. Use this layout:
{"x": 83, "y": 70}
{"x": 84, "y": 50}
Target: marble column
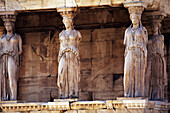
{"x": 156, "y": 76}
{"x": 10, "y": 49}
{"x": 69, "y": 60}
{"x": 135, "y": 39}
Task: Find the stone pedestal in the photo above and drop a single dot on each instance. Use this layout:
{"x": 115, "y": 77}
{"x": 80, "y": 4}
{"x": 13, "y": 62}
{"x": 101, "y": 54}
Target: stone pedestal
{"x": 68, "y": 100}
{"x": 11, "y": 102}
{"x": 137, "y": 105}
{"x": 121, "y": 105}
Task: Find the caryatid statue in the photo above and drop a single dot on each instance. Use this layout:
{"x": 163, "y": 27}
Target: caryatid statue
{"x": 156, "y": 73}
{"x": 68, "y": 58}
{"x": 135, "y": 39}
{"x": 10, "y": 49}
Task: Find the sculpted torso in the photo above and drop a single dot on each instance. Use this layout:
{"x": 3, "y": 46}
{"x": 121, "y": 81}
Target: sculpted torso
{"x": 10, "y": 46}
{"x": 69, "y": 41}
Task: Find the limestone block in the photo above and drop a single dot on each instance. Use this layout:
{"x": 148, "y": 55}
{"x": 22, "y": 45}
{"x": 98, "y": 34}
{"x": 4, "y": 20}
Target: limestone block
{"x": 84, "y": 83}
{"x": 31, "y": 4}
{"x": 53, "y": 50}
{"x": 106, "y": 80}
{"x": 89, "y": 16}
{"x": 53, "y": 68}
{"x": 116, "y": 2}
{"x": 72, "y": 111}
{"x": 32, "y": 38}
{"x": 106, "y": 95}
{"x": 93, "y": 2}
{"x": 107, "y": 66}
{"x": 86, "y": 35}
{"x": 40, "y": 52}
{"x": 86, "y": 111}
{"x": 50, "y": 4}
{"x": 27, "y": 69}
{"x": 27, "y": 53}
{"x": 118, "y": 84}
{"x": 55, "y": 37}
{"x": 108, "y": 34}
{"x": 37, "y": 93}
{"x": 85, "y": 64}
{"x": 118, "y": 49}
{"x": 85, "y": 50}
{"x": 1, "y": 30}
{"x": 106, "y": 111}
{"x": 103, "y": 34}
{"x": 86, "y": 96}
{"x": 102, "y": 49}
{"x": 37, "y": 81}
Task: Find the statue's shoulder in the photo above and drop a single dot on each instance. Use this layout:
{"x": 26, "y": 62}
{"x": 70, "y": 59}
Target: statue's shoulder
{"x": 128, "y": 29}
{"x": 17, "y": 35}
{"x": 2, "y": 36}
{"x": 77, "y": 33}
{"x": 162, "y": 36}
{"x": 144, "y": 28}
{"x": 61, "y": 33}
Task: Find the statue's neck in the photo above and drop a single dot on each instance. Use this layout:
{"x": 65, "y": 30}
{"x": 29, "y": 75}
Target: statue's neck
{"x": 69, "y": 29}
{"x": 10, "y": 33}
{"x": 135, "y": 26}
{"x": 155, "y": 33}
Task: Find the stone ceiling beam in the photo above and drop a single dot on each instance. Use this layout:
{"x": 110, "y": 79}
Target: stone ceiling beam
{"x": 23, "y": 5}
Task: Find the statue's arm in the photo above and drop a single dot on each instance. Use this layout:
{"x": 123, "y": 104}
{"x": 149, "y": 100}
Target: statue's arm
{"x": 79, "y": 37}
{"x": 125, "y": 39}
{"x": 20, "y": 44}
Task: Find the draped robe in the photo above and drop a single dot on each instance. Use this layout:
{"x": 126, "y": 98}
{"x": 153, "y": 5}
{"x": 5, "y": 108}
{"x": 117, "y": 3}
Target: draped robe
{"x": 69, "y": 64}
{"x": 135, "y": 61}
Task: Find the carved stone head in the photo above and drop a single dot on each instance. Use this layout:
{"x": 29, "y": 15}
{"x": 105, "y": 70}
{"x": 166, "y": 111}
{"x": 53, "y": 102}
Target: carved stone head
{"x": 9, "y": 22}
{"x": 156, "y": 28}
{"x": 135, "y": 14}
{"x": 68, "y": 22}
{"x": 9, "y": 26}
{"x": 135, "y": 18}
{"x": 68, "y": 13}
{"x": 155, "y": 23}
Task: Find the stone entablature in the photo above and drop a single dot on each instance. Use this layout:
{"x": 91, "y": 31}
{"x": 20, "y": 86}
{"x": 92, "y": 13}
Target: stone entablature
{"x": 120, "y": 105}
{"x": 21, "y": 5}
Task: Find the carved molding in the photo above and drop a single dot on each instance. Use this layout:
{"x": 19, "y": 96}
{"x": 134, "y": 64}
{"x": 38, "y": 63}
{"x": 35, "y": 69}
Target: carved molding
{"x": 128, "y": 103}
{"x": 155, "y": 16}
{"x": 69, "y": 12}
{"x": 8, "y": 16}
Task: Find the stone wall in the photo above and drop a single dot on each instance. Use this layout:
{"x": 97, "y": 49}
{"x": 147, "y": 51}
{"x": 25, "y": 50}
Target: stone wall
{"x": 101, "y": 53}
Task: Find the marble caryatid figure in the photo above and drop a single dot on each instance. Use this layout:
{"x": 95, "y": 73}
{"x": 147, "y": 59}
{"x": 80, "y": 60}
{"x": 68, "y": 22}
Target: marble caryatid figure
{"x": 69, "y": 60}
{"x": 156, "y": 63}
{"x": 136, "y": 38}
{"x": 10, "y": 49}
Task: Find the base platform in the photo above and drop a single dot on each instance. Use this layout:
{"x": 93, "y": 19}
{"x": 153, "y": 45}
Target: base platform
{"x": 121, "y": 105}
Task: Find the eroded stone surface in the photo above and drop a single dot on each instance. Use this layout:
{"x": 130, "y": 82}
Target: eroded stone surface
{"x": 10, "y": 5}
